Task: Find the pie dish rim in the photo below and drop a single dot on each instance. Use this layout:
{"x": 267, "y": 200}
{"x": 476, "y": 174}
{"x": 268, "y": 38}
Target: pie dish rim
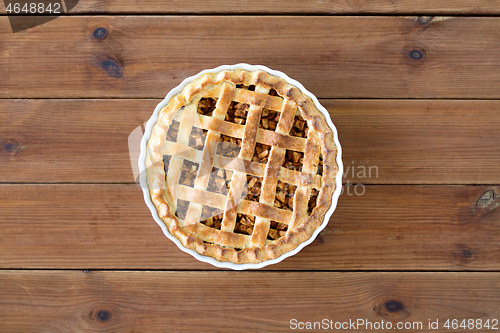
{"x": 144, "y": 186}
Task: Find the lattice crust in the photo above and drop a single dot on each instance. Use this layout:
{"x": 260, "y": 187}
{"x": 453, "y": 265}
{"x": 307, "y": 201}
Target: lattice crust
{"x": 232, "y": 166}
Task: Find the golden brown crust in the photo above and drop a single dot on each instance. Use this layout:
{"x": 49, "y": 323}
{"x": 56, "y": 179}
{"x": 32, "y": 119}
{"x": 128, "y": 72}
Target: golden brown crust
{"x": 226, "y": 245}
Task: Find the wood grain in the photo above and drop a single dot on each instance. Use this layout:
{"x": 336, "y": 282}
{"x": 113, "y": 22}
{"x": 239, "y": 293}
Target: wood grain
{"x": 96, "y": 301}
{"x": 411, "y": 210}
{"x": 291, "y": 6}
{"x": 69, "y": 140}
{"x": 334, "y": 57}
{"x": 424, "y": 142}
{"x": 384, "y": 141}
{"x": 374, "y": 228}
{"x": 330, "y": 7}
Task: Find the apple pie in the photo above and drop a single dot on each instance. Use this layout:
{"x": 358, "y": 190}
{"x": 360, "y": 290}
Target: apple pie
{"x": 241, "y": 166}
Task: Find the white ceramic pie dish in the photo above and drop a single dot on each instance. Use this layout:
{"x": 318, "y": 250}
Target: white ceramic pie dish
{"x": 142, "y": 168}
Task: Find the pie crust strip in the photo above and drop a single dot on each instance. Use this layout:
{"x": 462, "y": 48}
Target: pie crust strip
{"x": 193, "y": 214}
{"x": 271, "y": 176}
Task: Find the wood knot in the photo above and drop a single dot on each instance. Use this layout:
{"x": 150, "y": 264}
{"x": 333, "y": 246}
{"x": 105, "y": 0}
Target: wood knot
{"x": 102, "y": 315}
{"x": 391, "y": 309}
{"x": 467, "y": 253}
{"x": 464, "y": 255}
{"x": 415, "y": 54}
{"x": 319, "y": 239}
{"x": 486, "y": 199}
{"x": 11, "y": 147}
{"x": 393, "y": 306}
{"x": 424, "y": 20}
{"x": 100, "y": 33}
{"x": 113, "y": 68}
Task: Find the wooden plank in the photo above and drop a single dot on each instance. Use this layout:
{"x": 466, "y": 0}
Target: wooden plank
{"x": 294, "y": 6}
{"x": 330, "y": 7}
{"x": 59, "y": 301}
{"x": 334, "y": 57}
{"x": 374, "y": 228}
{"x": 384, "y": 141}
{"x": 424, "y": 142}
{"x": 69, "y": 140}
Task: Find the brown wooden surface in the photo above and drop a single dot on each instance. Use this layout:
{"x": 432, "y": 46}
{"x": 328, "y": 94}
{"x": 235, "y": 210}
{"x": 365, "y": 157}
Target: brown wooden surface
{"x": 75, "y": 301}
{"x": 415, "y": 97}
{"x": 373, "y": 228}
{"x": 329, "y": 7}
{"x": 390, "y": 141}
{"x": 334, "y": 57}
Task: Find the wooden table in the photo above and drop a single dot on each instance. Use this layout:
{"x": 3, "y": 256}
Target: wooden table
{"x": 412, "y": 86}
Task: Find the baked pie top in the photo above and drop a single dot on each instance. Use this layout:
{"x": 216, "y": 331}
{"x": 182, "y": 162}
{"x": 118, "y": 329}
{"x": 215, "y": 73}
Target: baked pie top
{"x": 241, "y": 166}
